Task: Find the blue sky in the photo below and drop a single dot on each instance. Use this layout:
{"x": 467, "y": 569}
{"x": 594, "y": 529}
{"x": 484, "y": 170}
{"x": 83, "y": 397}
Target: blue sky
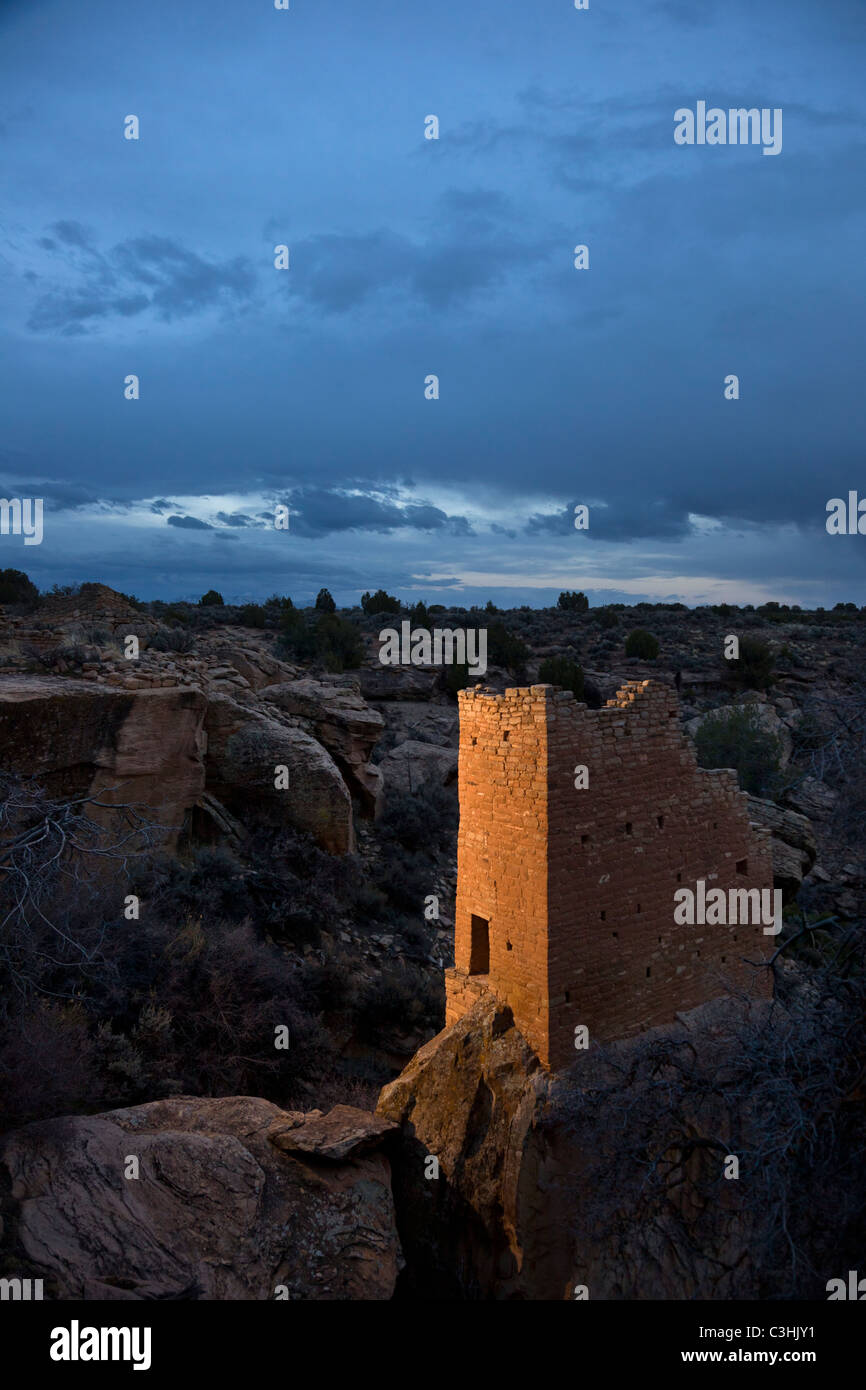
{"x": 451, "y": 256}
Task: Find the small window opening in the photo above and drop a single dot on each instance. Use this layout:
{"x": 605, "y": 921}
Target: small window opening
{"x": 742, "y": 866}
{"x": 660, "y": 822}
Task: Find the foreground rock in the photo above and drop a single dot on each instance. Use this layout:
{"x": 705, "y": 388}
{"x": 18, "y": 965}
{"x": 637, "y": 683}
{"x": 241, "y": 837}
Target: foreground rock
{"x": 792, "y": 845}
{"x": 517, "y": 1209}
{"x": 218, "y": 1211}
{"x": 144, "y": 747}
{"x": 345, "y": 1132}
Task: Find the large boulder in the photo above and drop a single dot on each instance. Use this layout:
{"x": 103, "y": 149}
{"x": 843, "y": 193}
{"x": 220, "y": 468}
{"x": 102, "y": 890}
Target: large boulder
{"x": 258, "y": 668}
{"x": 792, "y": 843}
{"x": 400, "y": 682}
{"x": 246, "y": 747}
{"x": 506, "y": 1177}
{"x": 422, "y": 721}
{"x": 812, "y": 798}
{"x": 469, "y": 1099}
{"x": 344, "y": 723}
{"x": 76, "y": 737}
{"x": 412, "y": 765}
{"x": 765, "y": 718}
{"x": 217, "y": 1209}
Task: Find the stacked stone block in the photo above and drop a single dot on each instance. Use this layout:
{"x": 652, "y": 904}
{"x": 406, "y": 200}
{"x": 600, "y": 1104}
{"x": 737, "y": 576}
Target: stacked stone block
{"x": 576, "y": 887}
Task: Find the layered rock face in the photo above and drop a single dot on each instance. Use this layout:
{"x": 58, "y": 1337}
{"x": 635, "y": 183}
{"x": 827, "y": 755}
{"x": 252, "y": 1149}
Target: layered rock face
{"x": 514, "y": 1210}
{"x": 471, "y": 1098}
{"x": 343, "y": 723}
{"x": 173, "y": 747}
{"x": 222, "y": 1207}
{"x": 145, "y": 747}
{"x": 245, "y": 749}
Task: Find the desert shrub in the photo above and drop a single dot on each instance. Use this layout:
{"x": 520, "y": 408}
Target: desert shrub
{"x": 252, "y": 615}
{"x": 735, "y": 738}
{"x": 401, "y": 1001}
{"x": 558, "y": 670}
{"x": 338, "y": 643}
{"x": 67, "y": 656}
{"x": 642, "y": 644}
{"x": 402, "y": 878}
{"x": 606, "y": 617}
{"x": 328, "y": 638}
{"x": 572, "y": 602}
{"x": 17, "y": 587}
{"x": 753, "y": 669}
{"x": 212, "y": 599}
{"x": 426, "y": 819}
{"x": 504, "y": 648}
{"x": 457, "y": 677}
{"x": 172, "y": 639}
{"x": 380, "y": 602}
{"x": 419, "y": 613}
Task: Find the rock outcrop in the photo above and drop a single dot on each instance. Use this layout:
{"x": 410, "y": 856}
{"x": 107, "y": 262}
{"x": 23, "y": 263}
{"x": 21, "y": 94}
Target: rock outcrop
{"x": 144, "y": 747}
{"x": 343, "y": 723}
{"x": 524, "y": 1203}
{"x": 412, "y": 765}
{"x": 219, "y": 1210}
{"x": 470, "y": 1099}
{"x": 245, "y": 748}
{"x": 792, "y": 843}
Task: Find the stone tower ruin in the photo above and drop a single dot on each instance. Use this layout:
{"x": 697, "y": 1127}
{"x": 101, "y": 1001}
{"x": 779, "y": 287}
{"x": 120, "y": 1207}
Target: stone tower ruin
{"x": 565, "y": 896}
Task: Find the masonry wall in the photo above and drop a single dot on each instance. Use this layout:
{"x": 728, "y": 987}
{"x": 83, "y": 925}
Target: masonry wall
{"x": 581, "y": 882}
{"x": 502, "y": 868}
{"x": 650, "y": 822}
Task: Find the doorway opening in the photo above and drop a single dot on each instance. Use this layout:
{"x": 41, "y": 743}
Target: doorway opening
{"x": 479, "y": 950}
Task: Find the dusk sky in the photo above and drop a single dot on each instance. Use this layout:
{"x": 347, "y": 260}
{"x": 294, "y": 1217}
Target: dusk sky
{"x": 453, "y": 257}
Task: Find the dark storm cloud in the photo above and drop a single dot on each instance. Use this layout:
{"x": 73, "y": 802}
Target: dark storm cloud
{"x": 62, "y": 496}
{"x": 144, "y": 273}
{"x": 189, "y": 523}
{"x": 604, "y": 386}
{"x": 470, "y": 249}
{"x": 617, "y": 521}
{"x": 323, "y": 511}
